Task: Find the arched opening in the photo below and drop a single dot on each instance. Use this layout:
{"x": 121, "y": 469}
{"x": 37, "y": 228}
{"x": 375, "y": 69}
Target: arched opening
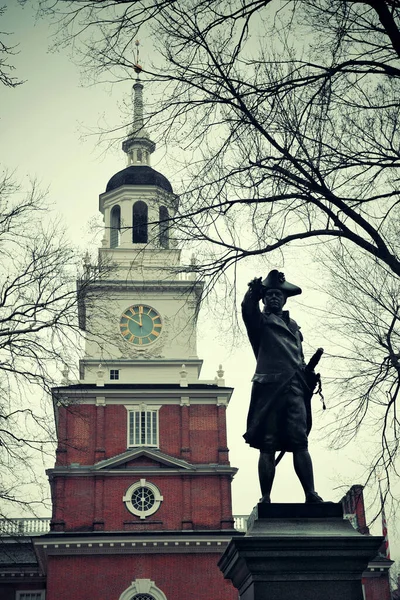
{"x": 164, "y": 227}
{"x": 143, "y": 589}
{"x": 140, "y": 222}
{"x": 115, "y": 226}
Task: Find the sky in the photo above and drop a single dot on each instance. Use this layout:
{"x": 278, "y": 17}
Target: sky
{"x": 45, "y": 127}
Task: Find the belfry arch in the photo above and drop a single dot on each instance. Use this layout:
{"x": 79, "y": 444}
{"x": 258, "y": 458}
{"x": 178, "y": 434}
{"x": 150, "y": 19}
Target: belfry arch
{"x": 164, "y": 227}
{"x": 140, "y": 222}
{"x": 115, "y": 226}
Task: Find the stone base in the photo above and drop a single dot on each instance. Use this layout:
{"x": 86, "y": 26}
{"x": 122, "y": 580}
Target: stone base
{"x": 299, "y": 552}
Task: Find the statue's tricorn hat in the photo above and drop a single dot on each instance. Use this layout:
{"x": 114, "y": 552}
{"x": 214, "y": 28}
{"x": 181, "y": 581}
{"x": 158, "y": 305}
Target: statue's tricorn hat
{"x": 276, "y": 281}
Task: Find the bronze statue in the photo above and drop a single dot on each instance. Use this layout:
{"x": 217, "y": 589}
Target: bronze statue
{"x": 279, "y": 417}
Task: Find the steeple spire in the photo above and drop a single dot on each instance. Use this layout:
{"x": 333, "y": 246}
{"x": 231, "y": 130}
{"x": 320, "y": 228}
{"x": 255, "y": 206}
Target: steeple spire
{"x": 138, "y": 145}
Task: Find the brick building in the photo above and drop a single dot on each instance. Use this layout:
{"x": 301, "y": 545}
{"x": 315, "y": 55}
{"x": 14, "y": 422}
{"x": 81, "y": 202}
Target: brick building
{"x": 141, "y": 486}
{"x": 375, "y": 581}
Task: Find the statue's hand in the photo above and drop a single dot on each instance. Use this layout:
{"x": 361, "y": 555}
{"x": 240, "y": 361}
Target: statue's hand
{"x": 256, "y": 288}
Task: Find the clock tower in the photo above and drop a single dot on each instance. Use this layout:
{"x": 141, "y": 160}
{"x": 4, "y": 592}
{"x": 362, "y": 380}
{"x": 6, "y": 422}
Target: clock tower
{"x": 141, "y": 486}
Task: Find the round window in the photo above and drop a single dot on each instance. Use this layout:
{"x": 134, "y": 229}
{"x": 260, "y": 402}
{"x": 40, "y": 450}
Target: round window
{"x": 142, "y": 499}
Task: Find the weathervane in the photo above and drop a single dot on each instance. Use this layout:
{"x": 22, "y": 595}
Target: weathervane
{"x": 137, "y": 67}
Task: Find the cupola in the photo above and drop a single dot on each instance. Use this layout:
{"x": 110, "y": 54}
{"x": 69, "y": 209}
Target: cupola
{"x": 138, "y": 202}
{"x": 138, "y": 175}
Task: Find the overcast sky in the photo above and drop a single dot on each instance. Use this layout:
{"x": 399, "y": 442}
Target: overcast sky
{"x": 42, "y": 131}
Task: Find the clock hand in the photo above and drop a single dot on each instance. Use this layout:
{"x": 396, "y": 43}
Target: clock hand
{"x": 137, "y": 322}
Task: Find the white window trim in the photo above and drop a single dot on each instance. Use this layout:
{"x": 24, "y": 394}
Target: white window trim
{"x": 115, "y": 378}
{"x": 127, "y": 498}
{"x": 143, "y": 408}
{"x": 143, "y": 586}
{"x": 19, "y": 594}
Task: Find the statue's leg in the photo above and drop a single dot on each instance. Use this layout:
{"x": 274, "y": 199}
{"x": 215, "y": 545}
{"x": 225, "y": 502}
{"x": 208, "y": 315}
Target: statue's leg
{"x": 266, "y": 473}
{"x": 304, "y": 471}
{"x": 297, "y": 439}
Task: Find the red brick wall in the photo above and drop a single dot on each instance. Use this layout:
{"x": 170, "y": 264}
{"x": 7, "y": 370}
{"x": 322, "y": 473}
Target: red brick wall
{"x": 93, "y": 433}
{"x": 377, "y": 588}
{"x": 179, "y": 576}
{"x": 76, "y": 503}
{"x": 353, "y": 503}
{"x": 116, "y": 423}
{"x": 203, "y": 427}
{"x": 78, "y": 500}
{"x": 170, "y": 436}
{"x": 79, "y": 423}
{"x": 206, "y": 503}
{"x": 82, "y": 428}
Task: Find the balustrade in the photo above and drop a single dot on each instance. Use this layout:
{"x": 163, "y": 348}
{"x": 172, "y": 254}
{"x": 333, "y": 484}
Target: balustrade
{"x": 39, "y": 526}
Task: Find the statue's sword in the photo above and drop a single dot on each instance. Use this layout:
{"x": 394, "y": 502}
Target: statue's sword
{"x": 310, "y": 367}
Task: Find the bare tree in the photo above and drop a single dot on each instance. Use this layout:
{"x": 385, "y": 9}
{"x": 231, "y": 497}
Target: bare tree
{"x": 7, "y": 51}
{"x": 284, "y": 119}
{"x": 287, "y": 114}
{"x": 364, "y": 312}
{"x": 39, "y": 331}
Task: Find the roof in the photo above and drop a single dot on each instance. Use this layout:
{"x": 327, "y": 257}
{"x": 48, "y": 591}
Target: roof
{"x": 18, "y": 553}
{"x": 139, "y": 175}
{"x": 152, "y": 453}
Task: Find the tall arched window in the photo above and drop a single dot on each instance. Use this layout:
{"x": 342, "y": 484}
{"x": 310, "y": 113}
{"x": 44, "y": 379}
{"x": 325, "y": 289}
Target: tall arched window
{"x": 140, "y": 221}
{"x": 115, "y": 224}
{"x": 164, "y": 227}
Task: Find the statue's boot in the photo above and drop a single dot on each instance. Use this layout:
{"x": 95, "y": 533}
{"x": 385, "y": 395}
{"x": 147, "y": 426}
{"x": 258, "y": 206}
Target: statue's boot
{"x": 265, "y": 499}
{"x": 313, "y": 498}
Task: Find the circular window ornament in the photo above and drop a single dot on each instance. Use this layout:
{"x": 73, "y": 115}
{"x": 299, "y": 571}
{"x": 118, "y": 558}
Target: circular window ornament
{"x": 142, "y": 499}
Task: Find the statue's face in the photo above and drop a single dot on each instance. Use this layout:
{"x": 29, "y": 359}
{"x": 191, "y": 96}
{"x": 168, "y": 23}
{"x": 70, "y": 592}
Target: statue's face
{"x": 274, "y": 300}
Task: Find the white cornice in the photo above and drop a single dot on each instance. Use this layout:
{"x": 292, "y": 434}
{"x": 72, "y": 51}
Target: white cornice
{"x": 150, "y": 285}
{"x": 148, "y": 362}
{"x": 92, "y": 471}
{"x": 132, "y": 395}
{"x": 127, "y": 543}
{"x": 132, "y": 191}
{"x": 132, "y": 390}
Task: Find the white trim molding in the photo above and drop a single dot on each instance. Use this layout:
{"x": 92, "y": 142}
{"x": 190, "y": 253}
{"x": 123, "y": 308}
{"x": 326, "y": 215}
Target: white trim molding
{"x": 30, "y": 595}
{"x": 143, "y": 586}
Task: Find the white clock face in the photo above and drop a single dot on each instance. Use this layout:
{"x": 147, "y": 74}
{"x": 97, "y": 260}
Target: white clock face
{"x": 140, "y": 325}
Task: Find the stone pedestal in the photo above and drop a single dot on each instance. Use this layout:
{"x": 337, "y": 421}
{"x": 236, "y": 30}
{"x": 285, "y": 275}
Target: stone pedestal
{"x": 299, "y": 552}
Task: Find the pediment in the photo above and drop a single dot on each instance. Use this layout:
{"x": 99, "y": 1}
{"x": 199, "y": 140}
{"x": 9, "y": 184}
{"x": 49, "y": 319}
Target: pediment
{"x": 143, "y": 457}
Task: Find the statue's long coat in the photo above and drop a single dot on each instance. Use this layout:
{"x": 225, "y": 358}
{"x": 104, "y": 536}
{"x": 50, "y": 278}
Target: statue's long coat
{"x": 276, "y": 342}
